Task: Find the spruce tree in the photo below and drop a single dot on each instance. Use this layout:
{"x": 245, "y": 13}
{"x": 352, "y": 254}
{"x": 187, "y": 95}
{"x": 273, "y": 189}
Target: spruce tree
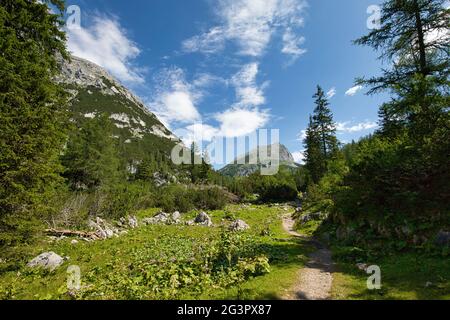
{"x": 323, "y": 119}
{"x": 320, "y": 142}
{"x": 32, "y": 113}
{"x": 315, "y": 162}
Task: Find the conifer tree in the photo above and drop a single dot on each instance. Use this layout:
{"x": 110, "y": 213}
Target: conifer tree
{"x": 91, "y": 158}
{"x": 413, "y": 38}
{"x": 320, "y": 142}
{"x": 323, "y": 120}
{"x": 32, "y": 112}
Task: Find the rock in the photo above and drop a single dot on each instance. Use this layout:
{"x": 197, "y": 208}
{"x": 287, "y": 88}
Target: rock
{"x": 362, "y": 266}
{"x": 103, "y": 230}
{"x": 159, "y": 180}
{"x": 239, "y": 225}
{"x": 46, "y": 260}
{"x": 443, "y": 238}
{"x": 74, "y": 241}
{"x": 203, "y": 219}
{"x": 176, "y": 217}
{"x": 163, "y": 218}
{"x": 428, "y": 284}
{"x": 159, "y": 218}
{"x": 129, "y": 222}
{"x": 298, "y": 209}
{"x": 133, "y": 222}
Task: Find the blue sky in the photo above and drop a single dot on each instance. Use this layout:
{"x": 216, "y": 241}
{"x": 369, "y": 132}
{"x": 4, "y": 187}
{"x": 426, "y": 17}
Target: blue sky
{"x": 236, "y": 65}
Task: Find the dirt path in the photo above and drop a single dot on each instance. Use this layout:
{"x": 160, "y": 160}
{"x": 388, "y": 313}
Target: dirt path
{"x": 314, "y": 281}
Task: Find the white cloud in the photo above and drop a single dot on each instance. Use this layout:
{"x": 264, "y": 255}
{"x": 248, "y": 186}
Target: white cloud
{"x": 353, "y": 90}
{"x": 299, "y": 156}
{"x": 248, "y": 93}
{"x": 198, "y": 133}
{"x": 106, "y": 44}
{"x": 180, "y": 106}
{"x": 251, "y": 24}
{"x": 292, "y": 45}
{"x": 347, "y": 127}
{"x": 301, "y": 135}
{"x": 331, "y": 93}
{"x": 175, "y": 99}
{"x": 236, "y": 122}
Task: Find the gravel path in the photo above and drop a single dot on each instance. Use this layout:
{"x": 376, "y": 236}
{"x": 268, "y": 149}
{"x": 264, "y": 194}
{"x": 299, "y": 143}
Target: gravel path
{"x": 314, "y": 281}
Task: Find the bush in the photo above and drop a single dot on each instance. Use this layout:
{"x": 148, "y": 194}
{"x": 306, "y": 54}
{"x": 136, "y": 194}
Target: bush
{"x": 185, "y": 199}
{"x": 278, "y": 191}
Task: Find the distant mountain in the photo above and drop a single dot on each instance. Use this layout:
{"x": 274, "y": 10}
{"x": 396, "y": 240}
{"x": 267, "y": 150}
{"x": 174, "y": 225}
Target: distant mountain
{"x": 242, "y": 170}
{"x": 93, "y": 91}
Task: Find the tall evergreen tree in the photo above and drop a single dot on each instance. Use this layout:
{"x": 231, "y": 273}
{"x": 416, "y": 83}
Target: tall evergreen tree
{"x": 320, "y": 142}
{"x": 32, "y": 111}
{"x": 315, "y": 162}
{"x": 414, "y": 39}
{"x": 323, "y": 119}
{"x": 91, "y": 158}
{"x": 403, "y": 170}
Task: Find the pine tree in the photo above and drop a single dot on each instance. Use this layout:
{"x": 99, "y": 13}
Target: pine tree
{"x": 91, "y": 158}
{"x": 32, "y": 112}
{"x": 315, "y": 162}
{"x": 320, "y": 142}
{"x": 323, "y": 119}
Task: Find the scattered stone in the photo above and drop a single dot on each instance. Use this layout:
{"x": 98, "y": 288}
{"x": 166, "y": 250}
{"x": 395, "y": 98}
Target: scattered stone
{"x": 203, "y": 219}
{"x": 176, "y": 217}
{"x": 74, "y": 241}
{"x": 164, "y": 218}
{"x": 46, "y": 260}
{"x": 298, "y": 209}
{"x": 103, "y": 230}
{"x": 159, "y": 180}
{"x": 160, "y": 217}
{"x": 129, "y": 222}
{"x": 443, "y": 238}
{"x": 428, "y": 284}
{"x": 239, "y": 225}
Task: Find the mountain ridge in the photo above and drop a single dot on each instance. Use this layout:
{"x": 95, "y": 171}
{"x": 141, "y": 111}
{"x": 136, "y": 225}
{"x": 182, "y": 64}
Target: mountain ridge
{"x": 240, "y": 167}
{"x": 93, "y": 91}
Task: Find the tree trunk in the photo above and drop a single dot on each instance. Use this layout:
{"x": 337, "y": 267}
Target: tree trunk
{"x": 421, "y": 40}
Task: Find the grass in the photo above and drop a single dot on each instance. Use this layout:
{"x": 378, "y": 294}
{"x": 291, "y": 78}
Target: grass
{"x": 101, "y": 261}
{"x": 404, "y": 276}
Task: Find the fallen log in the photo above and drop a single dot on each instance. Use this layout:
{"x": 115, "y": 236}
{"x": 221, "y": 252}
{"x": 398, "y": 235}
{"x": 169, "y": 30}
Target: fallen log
{"x": 72, "y": 233}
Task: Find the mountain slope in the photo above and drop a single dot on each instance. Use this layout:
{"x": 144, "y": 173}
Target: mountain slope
{"x": 93, "y": 91}
{"x": 241, "y": 170}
